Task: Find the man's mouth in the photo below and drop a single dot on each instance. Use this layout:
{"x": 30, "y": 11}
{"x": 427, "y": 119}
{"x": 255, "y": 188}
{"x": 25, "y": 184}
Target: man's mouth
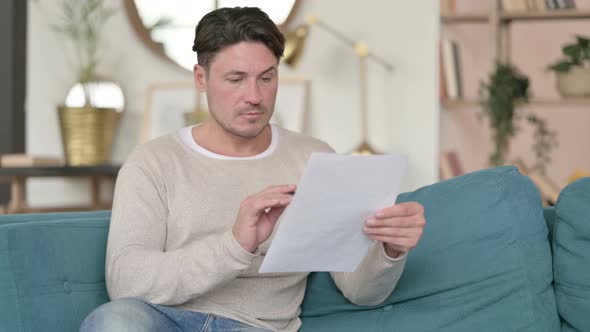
{"x": 252, "y": 114}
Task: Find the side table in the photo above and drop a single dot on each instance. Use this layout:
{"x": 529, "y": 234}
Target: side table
{"x": 17, "y": 177}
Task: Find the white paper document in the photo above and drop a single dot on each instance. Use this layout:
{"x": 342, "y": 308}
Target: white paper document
{"x": 322, "y": 228}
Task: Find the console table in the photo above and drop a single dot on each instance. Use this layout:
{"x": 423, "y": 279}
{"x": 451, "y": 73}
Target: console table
{"x": 17, "y": 177}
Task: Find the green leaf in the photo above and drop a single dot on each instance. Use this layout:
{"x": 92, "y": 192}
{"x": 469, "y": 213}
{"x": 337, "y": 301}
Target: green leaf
{"x": 583, "y": 41}
{"x": 572, "y": 51}
{"x": 562, "y": 66}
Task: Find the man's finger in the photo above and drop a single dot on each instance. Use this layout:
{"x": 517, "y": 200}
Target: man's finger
{"x": 394, "y": 232}
{"x": 282, "y": 189}
{"x": 400, "y": 210}
{"x": 400, "y": 244}
{"x": 271, "y": 200}
{"x": 399, "y": 222}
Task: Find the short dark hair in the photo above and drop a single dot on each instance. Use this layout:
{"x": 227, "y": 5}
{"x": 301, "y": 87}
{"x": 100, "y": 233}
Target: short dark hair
{"x": 228, "y": 26}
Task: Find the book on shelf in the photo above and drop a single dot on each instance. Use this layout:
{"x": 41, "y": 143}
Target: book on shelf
{"x": 447, "y": 6}
{"x": 519, "y": 6}
{"x": 450, "y": 166}
{"x": 27, "y": 160}
{"x": 451, "y": 70}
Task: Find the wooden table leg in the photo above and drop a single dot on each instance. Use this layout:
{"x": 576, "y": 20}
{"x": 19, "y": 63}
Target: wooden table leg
{"x": 18, "y": 195}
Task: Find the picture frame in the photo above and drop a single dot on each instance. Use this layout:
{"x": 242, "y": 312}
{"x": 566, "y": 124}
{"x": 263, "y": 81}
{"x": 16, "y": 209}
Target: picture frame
{"x": 168, "y": 106}
{"x": 292, "y": 106}
{"x": 165, "y": 107}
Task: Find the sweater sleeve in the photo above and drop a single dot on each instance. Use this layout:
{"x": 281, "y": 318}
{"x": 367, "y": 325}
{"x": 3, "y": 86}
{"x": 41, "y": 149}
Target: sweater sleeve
{"x": 373, "y": 280}
{"x": 137, "y": 263}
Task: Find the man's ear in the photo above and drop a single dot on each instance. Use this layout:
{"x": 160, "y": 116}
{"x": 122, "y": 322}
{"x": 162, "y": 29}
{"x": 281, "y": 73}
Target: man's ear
{"x": 200, "y": 77}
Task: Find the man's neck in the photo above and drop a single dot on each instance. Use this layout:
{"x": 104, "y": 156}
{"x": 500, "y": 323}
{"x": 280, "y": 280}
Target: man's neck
{"x": 219, "y": 141}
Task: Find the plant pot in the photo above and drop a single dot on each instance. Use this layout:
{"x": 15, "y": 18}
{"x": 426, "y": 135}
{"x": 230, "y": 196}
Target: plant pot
{"x": 87, "y": 134}
{"x": 575, "y": 83}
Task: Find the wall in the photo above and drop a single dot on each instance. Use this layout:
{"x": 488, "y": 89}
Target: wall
{"x": 403, "y": 105}
{"x": 534, "y": 45}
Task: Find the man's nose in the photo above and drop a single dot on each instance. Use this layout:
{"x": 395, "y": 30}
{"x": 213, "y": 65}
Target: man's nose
{"x": 253, "y": 93}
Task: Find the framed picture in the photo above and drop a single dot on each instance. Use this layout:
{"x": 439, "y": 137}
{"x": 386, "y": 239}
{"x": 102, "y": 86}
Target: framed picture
{"x": 167, "y": 106}
{"x": 292, "y": 104}
{"x": 173, "y": 105}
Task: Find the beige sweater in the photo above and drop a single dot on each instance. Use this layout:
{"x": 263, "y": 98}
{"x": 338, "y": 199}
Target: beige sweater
{"x": 170, "y": 240}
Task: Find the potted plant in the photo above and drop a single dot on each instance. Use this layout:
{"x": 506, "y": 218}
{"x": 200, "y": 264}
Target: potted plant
{"x": 573, "y": 72}
{"x": 500, "y": 99}
{"x": 87, "y": 131}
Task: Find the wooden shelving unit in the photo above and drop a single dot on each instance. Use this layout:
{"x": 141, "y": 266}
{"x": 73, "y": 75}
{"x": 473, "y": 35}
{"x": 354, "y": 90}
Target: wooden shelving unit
{"x": 499, "y": 22}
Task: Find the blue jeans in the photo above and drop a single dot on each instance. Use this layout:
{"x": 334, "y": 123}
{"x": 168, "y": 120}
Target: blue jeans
{"x": 130, "y": 314}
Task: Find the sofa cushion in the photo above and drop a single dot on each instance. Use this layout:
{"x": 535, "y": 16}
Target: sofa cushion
{"x": 51, "y": 273}
{"x": 483, "y": 264}
{"x": 571, "y": 256}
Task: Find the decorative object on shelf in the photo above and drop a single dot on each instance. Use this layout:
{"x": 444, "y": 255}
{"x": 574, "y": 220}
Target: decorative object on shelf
{"x": 449, "y": 165}
{"x": 573, "y": 72}
{"x": 511, "y": 6}
{"x": 500, "y": 99}
{"x": 447, "y": 6}
{"x": 294, "y": 46}
{"x": 87, "y": 129}
{"x": 450, "y": 71}
{"x": 165, "y": 26}
{"x": 578, "y": 174}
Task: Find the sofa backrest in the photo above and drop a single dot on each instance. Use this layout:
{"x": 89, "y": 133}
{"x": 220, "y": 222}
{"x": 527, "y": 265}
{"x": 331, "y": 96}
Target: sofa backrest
{"x": 51, "y": 272}
{"x": 479, "y": 264}
{"x": 483, "y": 264}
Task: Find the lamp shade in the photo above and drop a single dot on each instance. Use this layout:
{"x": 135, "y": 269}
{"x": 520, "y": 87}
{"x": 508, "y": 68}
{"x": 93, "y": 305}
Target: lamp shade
{"x": 294, "y": 45}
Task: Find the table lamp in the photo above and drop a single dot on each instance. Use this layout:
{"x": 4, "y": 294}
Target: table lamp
{"x": 294, "y": 46}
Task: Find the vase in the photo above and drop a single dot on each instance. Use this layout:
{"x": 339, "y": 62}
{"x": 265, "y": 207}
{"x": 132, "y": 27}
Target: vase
{"x": 87, "y": 134}
{"x": 574, "y": 83}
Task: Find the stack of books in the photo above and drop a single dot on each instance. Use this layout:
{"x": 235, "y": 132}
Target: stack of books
{"x": 511, "y": 6}
{"x": 26, "y": 160}
{"x": 451, "y": 87}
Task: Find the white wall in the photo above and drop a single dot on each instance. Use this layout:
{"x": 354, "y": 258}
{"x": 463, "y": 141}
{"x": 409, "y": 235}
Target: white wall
{"x": 403, "y": 105}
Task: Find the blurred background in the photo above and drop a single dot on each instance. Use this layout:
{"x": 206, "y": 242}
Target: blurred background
{"x": 456, "y": 85}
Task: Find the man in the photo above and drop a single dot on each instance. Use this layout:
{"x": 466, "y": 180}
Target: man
{"x": 194, "y": 210}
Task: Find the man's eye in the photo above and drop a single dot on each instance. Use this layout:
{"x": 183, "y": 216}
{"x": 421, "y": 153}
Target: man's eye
{"x": 266, "y": 79}
{"x": 234, "y": 80}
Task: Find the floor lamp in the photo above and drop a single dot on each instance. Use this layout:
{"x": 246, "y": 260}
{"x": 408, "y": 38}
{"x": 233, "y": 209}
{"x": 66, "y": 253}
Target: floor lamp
{"x": 294, "y": 45}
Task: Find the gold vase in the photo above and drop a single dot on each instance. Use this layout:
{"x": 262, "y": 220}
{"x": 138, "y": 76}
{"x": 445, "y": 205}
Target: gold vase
{"x": 87, "y": 134}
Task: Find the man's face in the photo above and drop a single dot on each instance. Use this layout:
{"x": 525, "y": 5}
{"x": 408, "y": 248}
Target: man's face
{"x": 241, "y": 87}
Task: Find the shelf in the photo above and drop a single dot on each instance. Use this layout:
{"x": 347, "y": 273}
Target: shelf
{"x": 481, "y": 17}
{"x": 465, "y": 17}
{"x": 562, "y": 14}
{"x": 457, "y": 104}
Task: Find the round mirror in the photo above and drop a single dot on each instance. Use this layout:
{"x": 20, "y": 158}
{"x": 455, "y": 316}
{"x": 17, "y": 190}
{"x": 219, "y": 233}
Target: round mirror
{"x": 168, "y": 27}
{"x": 100, "y": 94}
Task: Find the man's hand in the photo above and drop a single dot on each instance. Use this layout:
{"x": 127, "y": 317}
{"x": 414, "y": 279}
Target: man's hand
{"x": 258, "y": 215}
{"x": 399, "y": 227}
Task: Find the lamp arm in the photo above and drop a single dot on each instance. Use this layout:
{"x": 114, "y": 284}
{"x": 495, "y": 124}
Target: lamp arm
{"x": 354, "y": 44}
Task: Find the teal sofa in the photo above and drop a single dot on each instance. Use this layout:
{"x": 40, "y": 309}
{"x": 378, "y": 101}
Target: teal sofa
{"x": 491, "y": 259}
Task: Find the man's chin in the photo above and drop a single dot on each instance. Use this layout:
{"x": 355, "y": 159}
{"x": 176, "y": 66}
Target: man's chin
{"x": 250, "y": 131}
